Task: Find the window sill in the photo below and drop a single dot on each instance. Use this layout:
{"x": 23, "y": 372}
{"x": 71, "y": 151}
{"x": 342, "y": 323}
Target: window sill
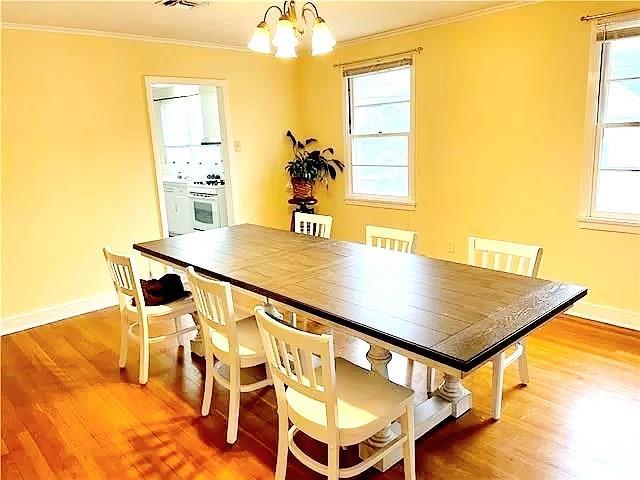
{"x": 375, "y": 203}
{"x": 609, "y": 225}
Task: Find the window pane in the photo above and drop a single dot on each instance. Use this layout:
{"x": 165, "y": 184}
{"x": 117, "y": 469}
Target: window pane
{"x": 618, "y": 191}
{"x": 624, "y": 58}
{"x": 392, "y": 118}
{"x": 380, "y": 151}
{"x": 381, "y": 87}
{"x": 381, "y": 180}
{"x": 175, "y": 126}
{"x": 621, "y": 148}
{"x": 623, "y": 101}
{"x": 196, "y": 126}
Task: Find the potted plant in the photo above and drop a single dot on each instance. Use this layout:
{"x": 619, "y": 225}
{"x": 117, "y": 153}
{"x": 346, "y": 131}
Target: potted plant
{"x": 310, "y": 166}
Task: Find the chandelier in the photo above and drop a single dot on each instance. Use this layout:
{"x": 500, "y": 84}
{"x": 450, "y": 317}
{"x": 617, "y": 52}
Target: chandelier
{"x": 288, "y": 32}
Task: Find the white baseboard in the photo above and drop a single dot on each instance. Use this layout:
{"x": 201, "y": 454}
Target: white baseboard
{"x": 54, "y": 313}
{"x": 605, "y": 314}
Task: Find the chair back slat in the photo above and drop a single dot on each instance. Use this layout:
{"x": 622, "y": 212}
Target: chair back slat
{"x": 313, "y": 224}
{"x": 507, "y": 257}
{"x": 214, "y": 303}
{"x": 290, "y": 353}
{"x": 124, "y": 275}
{"x": 390, "y": 238}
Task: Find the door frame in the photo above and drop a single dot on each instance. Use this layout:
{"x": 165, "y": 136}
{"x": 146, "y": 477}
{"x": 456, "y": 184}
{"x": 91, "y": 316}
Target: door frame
{"x": 222, "y": 88}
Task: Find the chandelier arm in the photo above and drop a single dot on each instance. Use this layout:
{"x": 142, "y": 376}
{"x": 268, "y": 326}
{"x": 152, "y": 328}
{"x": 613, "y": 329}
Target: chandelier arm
{"x": 315, "y": 9}
{"x": 268, "y": 9}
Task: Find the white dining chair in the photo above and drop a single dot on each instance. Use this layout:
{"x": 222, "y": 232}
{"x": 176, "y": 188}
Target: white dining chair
{"x": 336, "y": 403}
{"x": 313, "y": 224}
{"x": 135, "y": 320}
{"x": 515, "y": 258}
{"x": 231, "y": 338}
{"x": 390, "y": 238}
{"x": 401, "y": 241}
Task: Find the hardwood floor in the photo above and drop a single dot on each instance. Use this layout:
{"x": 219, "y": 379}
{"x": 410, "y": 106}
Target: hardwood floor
{"x": 69, "y": 412}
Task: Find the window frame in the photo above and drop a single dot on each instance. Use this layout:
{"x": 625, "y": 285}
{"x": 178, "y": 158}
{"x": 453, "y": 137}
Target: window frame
{"x": 597, "y": 84}
{"x": 384, "y": 201}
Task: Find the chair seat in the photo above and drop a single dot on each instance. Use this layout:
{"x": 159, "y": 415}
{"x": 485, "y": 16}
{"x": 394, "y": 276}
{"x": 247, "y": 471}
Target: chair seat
{"x": 183, "y": 306}
{"x": 366, "y": 403}
{"x": 249, "y": 342}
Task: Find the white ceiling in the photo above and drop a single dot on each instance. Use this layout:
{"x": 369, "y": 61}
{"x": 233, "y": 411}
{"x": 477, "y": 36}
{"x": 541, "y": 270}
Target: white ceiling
{"x": 228, "y": 22}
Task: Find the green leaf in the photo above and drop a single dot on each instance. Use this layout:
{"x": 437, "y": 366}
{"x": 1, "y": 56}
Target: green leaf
{"x": 292, "y": 138}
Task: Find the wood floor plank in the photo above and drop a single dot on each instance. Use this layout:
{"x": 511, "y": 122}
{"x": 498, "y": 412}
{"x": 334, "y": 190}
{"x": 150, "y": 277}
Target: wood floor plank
{"x": 69, "y": 412}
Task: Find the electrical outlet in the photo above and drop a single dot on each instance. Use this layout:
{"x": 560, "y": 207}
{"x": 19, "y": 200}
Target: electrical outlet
{"x": 451, "y": 247}
{"x": 237, "y": 146}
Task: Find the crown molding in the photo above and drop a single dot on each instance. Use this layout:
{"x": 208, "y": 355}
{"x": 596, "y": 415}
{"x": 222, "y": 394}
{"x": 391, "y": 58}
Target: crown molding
{"x": 435, "y": 23}
{"x": 220, "y": 46}
{"x": 121, "y": 36}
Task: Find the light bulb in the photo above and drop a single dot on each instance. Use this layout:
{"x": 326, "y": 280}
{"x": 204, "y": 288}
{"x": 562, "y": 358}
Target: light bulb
{"x": 321, "y": 39}
{"x": 260, "y": 39}
{"x": 285, "y": 34}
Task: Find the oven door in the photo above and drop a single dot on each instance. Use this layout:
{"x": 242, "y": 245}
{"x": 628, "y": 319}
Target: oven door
{"x": 205, "y": 213}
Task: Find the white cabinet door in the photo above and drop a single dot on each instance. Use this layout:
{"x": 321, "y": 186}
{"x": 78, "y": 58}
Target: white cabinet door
{"x": 184, "y": 221}
{"x": 173, "y": 219}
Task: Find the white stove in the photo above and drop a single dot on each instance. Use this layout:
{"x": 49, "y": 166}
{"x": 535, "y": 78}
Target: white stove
{"x": 208, "y": 204}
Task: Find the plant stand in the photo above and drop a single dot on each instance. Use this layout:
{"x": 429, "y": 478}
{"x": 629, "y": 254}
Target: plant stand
{"x": 304, "y": 205}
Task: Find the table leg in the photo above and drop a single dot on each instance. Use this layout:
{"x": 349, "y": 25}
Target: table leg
{"x": 379, "y": 358}
{"x": 454, "y": 392}
{"x": 451, "y": 399}
{"x": 197, "y": 345}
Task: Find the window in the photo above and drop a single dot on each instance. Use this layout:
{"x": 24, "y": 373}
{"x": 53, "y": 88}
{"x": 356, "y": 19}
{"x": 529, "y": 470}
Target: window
{"x": 379, "y": 132}
{"x": 183, "y": 133}
{"x": 615, "y": 143}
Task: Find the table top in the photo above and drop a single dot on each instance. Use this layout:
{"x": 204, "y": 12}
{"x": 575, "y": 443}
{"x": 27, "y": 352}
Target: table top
{"x": 448, "y": 312}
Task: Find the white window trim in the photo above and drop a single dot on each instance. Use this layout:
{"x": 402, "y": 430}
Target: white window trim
{"x": 588, "y": 217}
{"x": 380, "y": 201}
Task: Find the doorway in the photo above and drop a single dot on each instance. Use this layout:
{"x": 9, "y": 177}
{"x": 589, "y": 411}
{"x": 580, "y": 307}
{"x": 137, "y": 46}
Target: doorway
{"x": 191, "y": 141}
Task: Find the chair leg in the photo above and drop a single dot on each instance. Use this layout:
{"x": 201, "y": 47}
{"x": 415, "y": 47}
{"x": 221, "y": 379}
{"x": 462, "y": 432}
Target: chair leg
{"x": 143, "y": 337}
{"x": 234, "y": 403}
{"x": 333, "y": 461}
{"x": 208, "y": 385}
{"x": 283, "y": 446}
{"x": 410, "y": 365}
{"x": 431, "y": 379}
{"x": 177, "y": 322}
{"x": 498, "y": 381}
{"x": 409, "y": 447}
{"x": 523, "y": 368}
{"x": 294, "y": 319}
{"x": 124, "y": 340}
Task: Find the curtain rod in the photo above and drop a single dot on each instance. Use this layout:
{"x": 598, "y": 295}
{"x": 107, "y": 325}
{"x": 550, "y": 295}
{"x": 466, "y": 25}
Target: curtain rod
{"x": 379, "y": 57}
{"x": 588, "y": 18}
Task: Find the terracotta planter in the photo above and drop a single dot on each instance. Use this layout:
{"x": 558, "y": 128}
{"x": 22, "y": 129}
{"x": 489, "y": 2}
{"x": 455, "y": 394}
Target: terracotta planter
{"x": 302, "y": 188}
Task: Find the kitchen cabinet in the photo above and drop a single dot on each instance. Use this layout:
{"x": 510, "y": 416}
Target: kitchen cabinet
{"x": 178, "y": 207}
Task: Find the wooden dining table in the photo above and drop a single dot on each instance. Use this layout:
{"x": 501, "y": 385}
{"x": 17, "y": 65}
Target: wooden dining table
{"x": 449, "y": 316}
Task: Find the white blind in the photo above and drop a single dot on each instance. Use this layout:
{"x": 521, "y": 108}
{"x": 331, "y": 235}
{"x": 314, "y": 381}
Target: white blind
{"x": 377, "y": 67}
{"x": 621, "y": 29}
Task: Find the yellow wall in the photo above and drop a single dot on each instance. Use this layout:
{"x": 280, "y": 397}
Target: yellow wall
{"x": 500, "y": 126}
{"x": 500, "y": 107}
{"x": 77, "y": 163}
